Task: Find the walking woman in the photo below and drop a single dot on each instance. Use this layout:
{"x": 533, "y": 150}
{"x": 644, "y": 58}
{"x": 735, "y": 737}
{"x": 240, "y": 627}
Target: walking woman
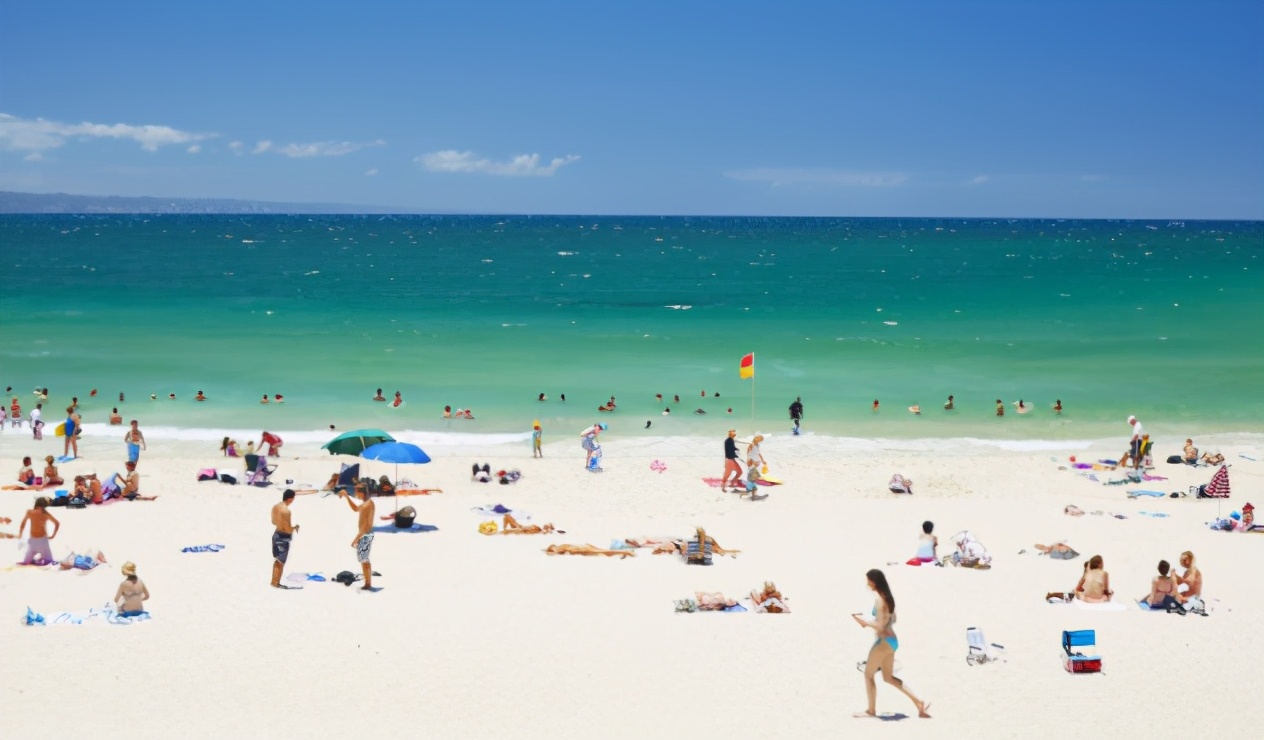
{"x": 882, "y": 654}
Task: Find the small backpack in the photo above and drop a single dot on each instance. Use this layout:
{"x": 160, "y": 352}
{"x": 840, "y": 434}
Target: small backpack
{"x": 346, "y": 578}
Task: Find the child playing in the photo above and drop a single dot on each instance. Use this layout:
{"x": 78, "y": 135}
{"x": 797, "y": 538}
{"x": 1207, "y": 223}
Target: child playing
{"x": 752, "y": 481}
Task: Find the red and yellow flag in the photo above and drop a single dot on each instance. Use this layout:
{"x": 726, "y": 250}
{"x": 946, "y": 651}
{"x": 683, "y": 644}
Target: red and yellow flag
{"x": 747, "y": 368}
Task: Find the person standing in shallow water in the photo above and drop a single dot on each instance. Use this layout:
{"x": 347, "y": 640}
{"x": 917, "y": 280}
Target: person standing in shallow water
{"x": 796, "y": 412}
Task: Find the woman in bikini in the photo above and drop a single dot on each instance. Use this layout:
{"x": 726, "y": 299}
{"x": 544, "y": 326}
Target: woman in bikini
{"x": 1190, "y": 583}
{"x": 882, "y": 654}
{"x": 1094, "y": 585}
{"x": 51, "y": 478}
{"x": 1163, "y": 591}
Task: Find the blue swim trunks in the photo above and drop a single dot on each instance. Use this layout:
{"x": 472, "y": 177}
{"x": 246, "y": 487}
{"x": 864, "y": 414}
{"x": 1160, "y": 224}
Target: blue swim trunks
{"x": 133, "y": 452}
{"x": 281, "y": 546}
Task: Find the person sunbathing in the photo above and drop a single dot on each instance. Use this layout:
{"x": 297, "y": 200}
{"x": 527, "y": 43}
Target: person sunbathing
{"x": 1163, "y": 591}
{"x": 1189, "y": 585}
{"x": 587, "y": 550}
{"x": 51, "y": 478}
{"x": 1213, "y": 458}
{"x": 713, "y": 601}
{"x": 82, "y": 562}
{"x": 129, "y": 487}
{"x": 511, "y": 526}
{"x": 769, "y": 599}
{"x": 1190, "y": 456}
{"x": 1094, "y": 585}
{"x": 1057, "y": 551}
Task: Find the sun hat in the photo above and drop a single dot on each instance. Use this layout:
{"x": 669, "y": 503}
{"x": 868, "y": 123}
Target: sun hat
{"x": 129, "y": 568}
{"x": 603, "y": 427}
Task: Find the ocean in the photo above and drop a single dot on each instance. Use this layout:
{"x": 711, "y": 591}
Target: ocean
{"x": 1164, "y": 320}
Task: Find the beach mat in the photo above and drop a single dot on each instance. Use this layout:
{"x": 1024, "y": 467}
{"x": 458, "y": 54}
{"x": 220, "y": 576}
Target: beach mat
{"x": 1154, "y": 494}
{"x": 714, "y": 482}
{"x": 392, "y": 529}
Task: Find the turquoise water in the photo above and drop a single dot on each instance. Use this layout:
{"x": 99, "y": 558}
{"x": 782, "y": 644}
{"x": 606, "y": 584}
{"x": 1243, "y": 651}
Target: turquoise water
{"x": 1164, "y": 320}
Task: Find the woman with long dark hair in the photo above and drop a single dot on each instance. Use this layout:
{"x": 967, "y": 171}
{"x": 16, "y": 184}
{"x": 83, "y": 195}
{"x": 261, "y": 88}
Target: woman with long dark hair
{"x": 882, "y": 654}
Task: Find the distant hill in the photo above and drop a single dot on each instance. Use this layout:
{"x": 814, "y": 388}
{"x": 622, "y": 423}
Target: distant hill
{"x": 62, "y": 203}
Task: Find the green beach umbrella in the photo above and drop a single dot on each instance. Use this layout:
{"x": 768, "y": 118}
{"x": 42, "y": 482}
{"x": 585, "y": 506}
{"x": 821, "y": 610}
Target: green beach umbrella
{"x": 355, "y": 442}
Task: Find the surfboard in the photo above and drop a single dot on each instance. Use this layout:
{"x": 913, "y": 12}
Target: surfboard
{"x": 60, "y": 431}
{"x": 768, "y": 480}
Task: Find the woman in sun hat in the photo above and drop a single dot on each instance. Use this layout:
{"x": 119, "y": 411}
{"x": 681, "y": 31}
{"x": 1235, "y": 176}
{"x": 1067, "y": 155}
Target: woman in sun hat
{"x": 131, "y": 593}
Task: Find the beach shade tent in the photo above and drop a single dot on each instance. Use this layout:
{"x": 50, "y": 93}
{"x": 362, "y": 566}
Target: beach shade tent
{"x": 396, "y": 452}
{"x": 355, "y": 442}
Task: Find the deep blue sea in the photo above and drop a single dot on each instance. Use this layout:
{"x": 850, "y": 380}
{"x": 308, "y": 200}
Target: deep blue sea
{"x": 1160, "y": 319}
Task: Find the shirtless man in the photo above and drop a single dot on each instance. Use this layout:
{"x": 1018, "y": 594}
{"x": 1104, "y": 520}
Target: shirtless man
{"x": 363, "y": 541}
{"x": 135, "y": 442}
{"x": 38, "y": 544}
{"x": 282, "y": 536}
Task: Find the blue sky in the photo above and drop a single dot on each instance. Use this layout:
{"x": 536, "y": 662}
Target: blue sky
{"x": 1011, "y": 108}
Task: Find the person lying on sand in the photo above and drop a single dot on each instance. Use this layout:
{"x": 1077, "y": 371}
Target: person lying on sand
{"x": 511, "y": 526}
{"x": 1057, "y": 551}
{"x": 82, "y": 562}
{"x": 6, "y": 535}
{"x": 769, "y": 599}
{"x": 587, "y": 550}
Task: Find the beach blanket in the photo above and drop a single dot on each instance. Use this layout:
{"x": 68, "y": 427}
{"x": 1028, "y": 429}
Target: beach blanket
{"x": 203, "y": 548}
{"x": 714, "y": 482}
{"x": 392, "y": 529}
{"x": 417, "y": 491}
{"x": 305, "y": 577}
{"x": 107, "y": 614}
{"x": 497, "y": 511}
{"x": 1155, "y": 514}
{"x": 1154, "y": 494}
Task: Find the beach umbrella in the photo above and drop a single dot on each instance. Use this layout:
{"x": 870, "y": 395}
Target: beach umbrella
{"x": 396, "y": 452}
{"x": 1219, "y": 485}
{"x": 355, "y": 442}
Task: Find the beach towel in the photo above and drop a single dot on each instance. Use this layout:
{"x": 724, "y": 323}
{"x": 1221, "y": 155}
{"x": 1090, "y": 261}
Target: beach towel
{"x": 417, "y": 491}
{"x": 497, "y": 511}
{"x": 392, "y": 529}
{"x": 714, "y": 482}
{"x": 203, "y": 548}
{"x": 305, "y": 577}
{"x": 107, "y": 614}
{"x": 1155, "y": 514}
{"x": 1154, "y": 494}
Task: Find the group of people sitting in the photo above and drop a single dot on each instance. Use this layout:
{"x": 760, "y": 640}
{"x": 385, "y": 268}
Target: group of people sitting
{"x": 1190, "y": 456}
{"x": 28, "y": 479}
{"x": 1173, "y": 592}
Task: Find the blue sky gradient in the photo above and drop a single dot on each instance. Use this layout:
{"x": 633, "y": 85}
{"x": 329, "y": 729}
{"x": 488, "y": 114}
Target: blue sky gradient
{"x": 1023, "y": 109}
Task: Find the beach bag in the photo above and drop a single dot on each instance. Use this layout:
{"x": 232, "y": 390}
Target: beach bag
{"x": 346, "y": 578}
{"x": 226, "y": 478}
{"x": 78, "y": 502}
{"x": 405, "y": 517}
{"x": 206, "y": 474}
{"x": 1175, "y": 460}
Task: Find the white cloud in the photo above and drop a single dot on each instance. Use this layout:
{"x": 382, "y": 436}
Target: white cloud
{"x": 194, "y": 149}
{"x": 371, "y": 172}
{"x": 33, "y": 157}
{"x": 324, "y": 148}
{"x": 38, "y": 134}
{"x": 977, "y": 180}
{"x": 236, "y": 147}
{"x": 523, "y": 165}
{"x": 261, "y": 147}
{"x": 779, "y": 176}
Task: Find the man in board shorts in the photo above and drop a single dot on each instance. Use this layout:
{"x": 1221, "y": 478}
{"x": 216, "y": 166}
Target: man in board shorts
{"x": 281, "y": 538}
{"x": 363, "y": 542}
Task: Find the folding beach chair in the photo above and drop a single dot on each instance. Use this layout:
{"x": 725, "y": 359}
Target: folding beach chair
{"x": 258, "y": 470}
{"x": 1074, "y": 660}
{"x": 979, "y": 649}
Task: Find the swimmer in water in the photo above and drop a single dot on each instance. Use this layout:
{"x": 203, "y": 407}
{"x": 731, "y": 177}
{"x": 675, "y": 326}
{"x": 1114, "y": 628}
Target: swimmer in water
{"x": 1022, "y": 407}
{"x": 875, "y": 404}
{"x": 265, "y": 399}
{"x": 563, "y": 397}
{"x": 699, "y": 411}
{"x": 658, "y": 397}
{"x": 949, "y": 406}
{"x": 398, "y": 400}
{"x": 1000, "y": 407}
{"x": 542, "y": 397}
{"x": 279, "y": 398}
{"x": 667, "y": 411}
{"x": 378, "y": 396}
{"x": 447, "y": 412}
{"x": 647, "y": 423}
{"x": 200, "y": 396}
{"x": 1057, "y": 407}
{"x": 915, "y": 410}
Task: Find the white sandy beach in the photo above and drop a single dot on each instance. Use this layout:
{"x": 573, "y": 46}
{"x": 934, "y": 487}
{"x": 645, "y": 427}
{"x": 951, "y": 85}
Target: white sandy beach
{"x": 477, "y": 636}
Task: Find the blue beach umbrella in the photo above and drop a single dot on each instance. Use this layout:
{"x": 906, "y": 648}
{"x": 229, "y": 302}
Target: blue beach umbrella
{"x": 396, "y": 452}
